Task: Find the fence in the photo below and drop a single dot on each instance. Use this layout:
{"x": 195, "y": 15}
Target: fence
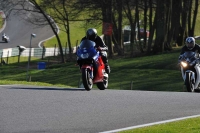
{"x": 6, "y": 54}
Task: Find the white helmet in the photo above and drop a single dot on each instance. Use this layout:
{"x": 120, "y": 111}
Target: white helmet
{"x": 190, "y": 42}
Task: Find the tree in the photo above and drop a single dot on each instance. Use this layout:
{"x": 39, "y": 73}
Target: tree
{"x": 129, "y": 5}
{"x": 137, "y": 19}
{"x": 160, "y": 26}
{"x": 117, "y": 15}
{"x": 152, "y": 24}
{"x": 175, "y": 21}
{"x": 63, "y": 12}
{"x": 192, "y": 20}
{"x": 167, "y": 36}
{"x": 145, "y": 21}
{"x": 184, "y": 20}
{"x": 107, "y": 18}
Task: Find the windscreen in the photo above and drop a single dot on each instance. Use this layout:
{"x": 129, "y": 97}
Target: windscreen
{"x": 87, "y": 44}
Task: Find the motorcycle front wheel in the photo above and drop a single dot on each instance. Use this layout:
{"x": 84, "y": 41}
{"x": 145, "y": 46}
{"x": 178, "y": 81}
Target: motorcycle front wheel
{"x": 87, "y": 80}
{"x": 189, "y": 83}
{"x": 103, "y": 85}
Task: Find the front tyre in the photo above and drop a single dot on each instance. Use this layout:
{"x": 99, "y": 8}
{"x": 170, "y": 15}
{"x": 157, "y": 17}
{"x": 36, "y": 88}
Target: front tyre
{"x": 87, "y": 80}
{"x": 189, "y": 83}
{"x": 103, "y": 85}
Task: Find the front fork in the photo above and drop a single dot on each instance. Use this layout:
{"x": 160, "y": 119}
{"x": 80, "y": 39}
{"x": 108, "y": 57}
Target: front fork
{"x": 187, "y": 72}
{"x": 90, "y": 68}
{"x": 190, "y": 74}
{"x": 91, "y": 73}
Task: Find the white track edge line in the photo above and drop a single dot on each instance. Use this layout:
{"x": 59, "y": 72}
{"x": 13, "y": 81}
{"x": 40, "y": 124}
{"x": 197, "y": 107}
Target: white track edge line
{"x": 150, "y": 124}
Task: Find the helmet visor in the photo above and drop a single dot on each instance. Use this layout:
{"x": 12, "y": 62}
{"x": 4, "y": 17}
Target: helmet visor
{"x": 190, "y": 45}
{"x": 91, "y": 34}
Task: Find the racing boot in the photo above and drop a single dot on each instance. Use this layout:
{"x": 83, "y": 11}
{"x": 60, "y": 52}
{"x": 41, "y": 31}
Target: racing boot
{"x": 107, "y": 68}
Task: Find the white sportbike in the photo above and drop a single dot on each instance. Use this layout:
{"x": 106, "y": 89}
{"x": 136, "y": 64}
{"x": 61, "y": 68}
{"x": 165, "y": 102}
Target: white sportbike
{"x": 190, "y": 69}
{"x": 5, "y": 38}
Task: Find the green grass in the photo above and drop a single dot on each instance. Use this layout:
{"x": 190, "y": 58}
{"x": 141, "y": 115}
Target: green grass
{"x": 54, "y": 75}
{"x": 183, "y": 126}
{"x": 147, "y": 73}
{"x": 1, "y": 22}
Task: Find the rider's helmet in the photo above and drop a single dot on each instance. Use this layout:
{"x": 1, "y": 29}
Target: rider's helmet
{"x": 91, "y": 34}
{"x": 190, "y": 42}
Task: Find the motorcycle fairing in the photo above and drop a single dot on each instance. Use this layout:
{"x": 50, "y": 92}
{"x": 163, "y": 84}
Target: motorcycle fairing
{"x": 191, "y": 73}
{"x": 5, "y": 38}
{"x": 87, "y": 50}
{"x": 197, "y": 67}
{"x": 197, "y": 81}
{"x": 96, "y": 56}
{"x": 100, "y": 71}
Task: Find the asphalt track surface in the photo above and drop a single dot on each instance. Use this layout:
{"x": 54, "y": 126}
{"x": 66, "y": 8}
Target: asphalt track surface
{"x": 29, "y": 109}
{"x": 19, "y": 31}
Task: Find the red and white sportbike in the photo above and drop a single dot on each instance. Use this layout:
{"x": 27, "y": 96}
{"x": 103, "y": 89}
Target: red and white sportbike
{"x": 91, "y": 66}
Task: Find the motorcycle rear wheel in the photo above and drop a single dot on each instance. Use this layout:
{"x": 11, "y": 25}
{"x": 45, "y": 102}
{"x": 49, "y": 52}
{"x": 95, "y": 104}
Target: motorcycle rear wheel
{"x": 103, "y": 85}
{"x": 188, "y": 83}
{"x": 86, "y": 78}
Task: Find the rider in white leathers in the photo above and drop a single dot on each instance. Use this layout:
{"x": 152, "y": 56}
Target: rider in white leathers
{"x": 5, "y": 38}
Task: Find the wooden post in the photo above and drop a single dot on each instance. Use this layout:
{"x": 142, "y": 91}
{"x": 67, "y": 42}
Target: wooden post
{"x": 19, "y": 56}
{"x": 7, "y": 57}
{"x": 1, "y": 57}
{"x": 55, "y": 50}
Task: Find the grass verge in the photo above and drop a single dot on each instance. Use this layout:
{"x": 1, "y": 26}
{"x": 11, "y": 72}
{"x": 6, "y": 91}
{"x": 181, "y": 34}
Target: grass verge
{"x": 184, "y": 126}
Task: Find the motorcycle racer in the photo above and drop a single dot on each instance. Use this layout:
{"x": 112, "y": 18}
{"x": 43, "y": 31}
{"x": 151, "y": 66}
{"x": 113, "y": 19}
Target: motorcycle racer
{"x": 190, "y": 45}
{"x": 5, "y": 38}
{"x": 91, "y": 34}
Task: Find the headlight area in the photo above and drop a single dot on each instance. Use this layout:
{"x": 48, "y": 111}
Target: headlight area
{"x": 84, "y": 56}
{"x": 184, "y": 64}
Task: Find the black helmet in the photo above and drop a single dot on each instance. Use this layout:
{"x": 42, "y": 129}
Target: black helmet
{"x": 91, "y": 34}
{"x": 190, "y": 42}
